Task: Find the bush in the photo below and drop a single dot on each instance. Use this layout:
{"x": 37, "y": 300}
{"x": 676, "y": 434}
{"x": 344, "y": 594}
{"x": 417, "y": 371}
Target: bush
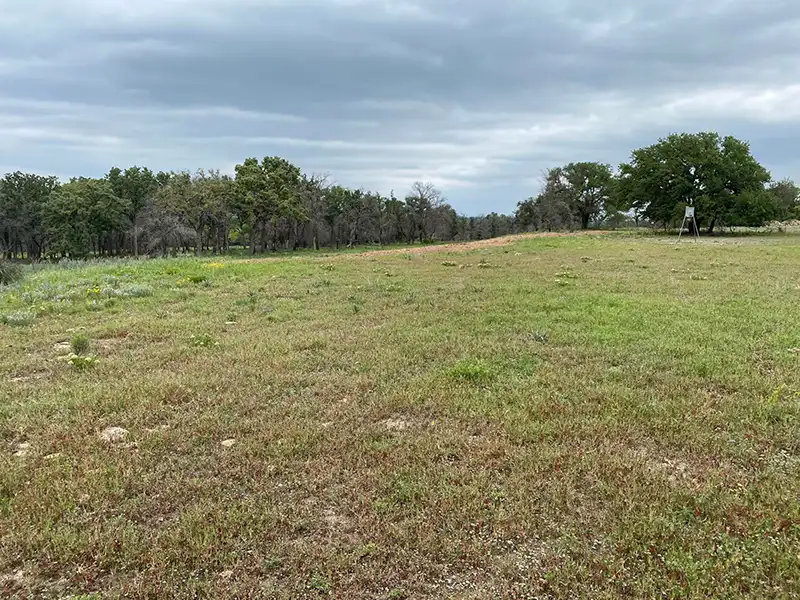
{"x": 9, "y": 272}
{"x": 21, "y": 318}
{"x": 134, "y": 291}
{"x": 80, "y": 344}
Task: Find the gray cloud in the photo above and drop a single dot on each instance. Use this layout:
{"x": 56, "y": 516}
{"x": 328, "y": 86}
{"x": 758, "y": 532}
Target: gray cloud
{"x": 477, "y": 96}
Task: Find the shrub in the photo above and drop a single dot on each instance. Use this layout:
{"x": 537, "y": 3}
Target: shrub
{"x": 135, "y": 291}
{"x": 94, "y": 306}
{"x": 9, "y": 272}
{"x": 80, "y": 344}
{"x": 21, "y": 318}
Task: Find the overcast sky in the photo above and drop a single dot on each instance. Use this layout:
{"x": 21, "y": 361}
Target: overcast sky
{"x": 478, "y": 96}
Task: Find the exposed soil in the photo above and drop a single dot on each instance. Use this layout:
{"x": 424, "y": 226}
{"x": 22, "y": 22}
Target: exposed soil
{"x": 465, "y": 246}
{"x": 426, "y": 249}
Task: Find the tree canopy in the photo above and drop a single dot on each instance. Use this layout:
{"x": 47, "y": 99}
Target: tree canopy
{"x": 578, "y": 194}
{"x": 716, "y": 174}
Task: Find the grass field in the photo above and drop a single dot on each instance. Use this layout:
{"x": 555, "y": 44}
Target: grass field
{"x": 574, "y": 417}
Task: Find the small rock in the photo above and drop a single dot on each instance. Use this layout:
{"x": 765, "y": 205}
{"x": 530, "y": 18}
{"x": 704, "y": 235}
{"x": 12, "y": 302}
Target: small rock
{"x": 794, "y": 350}
{"x": 229, "y": 443}
{"x": 114, "y": 435}
{"x": 230, "y": 323}
{"x": 22, "y": 449}
{"x": 63, "y": 347}
{"x": 226, "y": 574}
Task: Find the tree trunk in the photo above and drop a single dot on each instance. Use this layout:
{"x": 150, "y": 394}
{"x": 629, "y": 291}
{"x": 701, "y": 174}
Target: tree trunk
{"x": 711, "y": 225}
{"x": 135, "y": 241}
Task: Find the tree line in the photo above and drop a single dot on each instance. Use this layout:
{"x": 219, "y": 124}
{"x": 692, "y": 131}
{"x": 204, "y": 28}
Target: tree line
{"x": 267, "y": 204}
{"x": 270, "y": 204}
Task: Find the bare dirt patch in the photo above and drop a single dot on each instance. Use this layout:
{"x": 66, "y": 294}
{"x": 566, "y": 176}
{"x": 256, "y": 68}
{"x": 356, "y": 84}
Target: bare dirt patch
{"x": 449, "y": 247}
{"x": 477, "y": 245}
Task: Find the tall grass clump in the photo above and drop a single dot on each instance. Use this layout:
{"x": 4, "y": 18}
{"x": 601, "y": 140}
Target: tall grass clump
{"x": 9, "y": 272}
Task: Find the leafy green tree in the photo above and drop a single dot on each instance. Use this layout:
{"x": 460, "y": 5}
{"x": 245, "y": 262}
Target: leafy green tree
{"x": 335, "y": 201}
{"x": 313, "y": 191}
{"x": 79, "y": 214}
{"x": 137, "y": 186}
{"x": 786, "y": 196}
{"x": 554, "y": 208}
{"x": 269, "y": 190}
{"x": 527, "y": 215}
{"x": 202, "y": 202}
{"x": 23, "y": 201}
{"x": 397, "y": 222}
{"x": 587, "y": 186}
{"x": 718, "y": 175}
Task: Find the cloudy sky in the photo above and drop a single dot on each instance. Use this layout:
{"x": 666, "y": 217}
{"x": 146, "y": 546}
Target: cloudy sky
{"x": 478, "y": 96}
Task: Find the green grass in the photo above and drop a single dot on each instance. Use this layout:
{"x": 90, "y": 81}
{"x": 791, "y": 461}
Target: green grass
{"x": 595, "y": 417}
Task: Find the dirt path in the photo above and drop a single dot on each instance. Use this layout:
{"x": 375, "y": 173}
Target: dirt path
{"x": 465, "y": 246}
{"x": 427, "y": 249}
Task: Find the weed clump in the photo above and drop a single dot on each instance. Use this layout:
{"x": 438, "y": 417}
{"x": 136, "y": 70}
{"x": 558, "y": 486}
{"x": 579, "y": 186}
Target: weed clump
{"x": 134, "y": 291}
{"x": 540, "y": 337}
{"x": 9, "y": 272}
{"x": 203, "y": 340}
{"x": 20, "y": 318}
{"x": 319, "y": 584}
{"x": 80, "y": 344}
{"x": 473, "y": 371}
{"x": 80, "y": 363}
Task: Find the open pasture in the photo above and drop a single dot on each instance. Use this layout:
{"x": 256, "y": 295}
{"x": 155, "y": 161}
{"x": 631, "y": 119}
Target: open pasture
{"x": 557, "y": 417}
